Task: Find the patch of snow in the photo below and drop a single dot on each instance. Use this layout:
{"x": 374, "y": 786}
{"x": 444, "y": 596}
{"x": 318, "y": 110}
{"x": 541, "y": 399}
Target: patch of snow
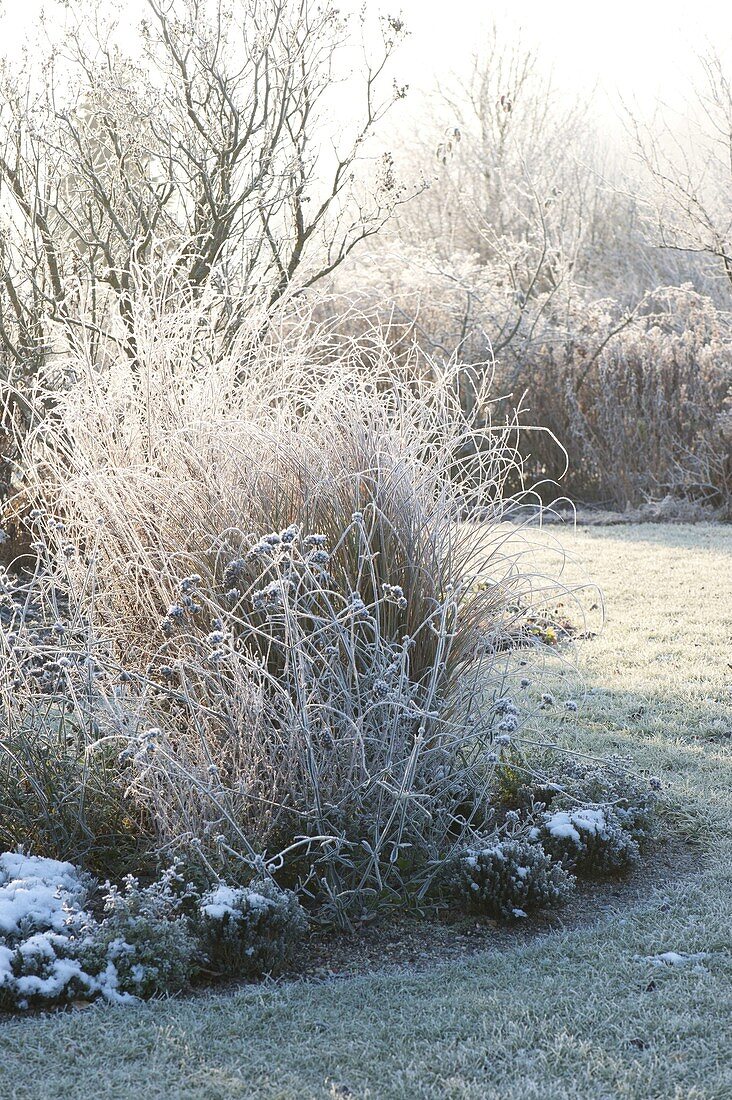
{"x": 589, "y": 820}
{"x": 37, "y": 946}
{"x": 487, "y": 853}
{"x": 560, "y": 826}
{"x": 108, "y": 985}
{"x": 226, "y": 901}
{"x": 674, "y": 958}
{"x": 567, "y": 825}
{"x": 36, "y": 893}
{"x": 258, "y": 901}
{"x": 16, "y": 865}
{"x": 6, "y": 970}
{"x": 222, "y": 901}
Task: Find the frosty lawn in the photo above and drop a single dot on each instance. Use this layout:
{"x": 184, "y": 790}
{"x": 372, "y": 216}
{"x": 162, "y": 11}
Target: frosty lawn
{"x": 638, "y": 1006}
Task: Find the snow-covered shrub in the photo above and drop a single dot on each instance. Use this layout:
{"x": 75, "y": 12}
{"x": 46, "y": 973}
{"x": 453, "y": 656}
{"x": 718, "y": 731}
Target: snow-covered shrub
{"x": 144, "y": 945}
{"x": 592, "y": 816}
{"x": 44, "y": 969}
{"x": 52, "y": 949}
{"x": 250, "y": 931}
{"x": 591, "y": 840}
{"x": 569, "y": 783}
{"x": 509, "y": 878}
{"x": 42, "y": 925}
{"x": 40, "y": 915}
{"x": 631, "y": 799}
{"x": 37, "y": 895}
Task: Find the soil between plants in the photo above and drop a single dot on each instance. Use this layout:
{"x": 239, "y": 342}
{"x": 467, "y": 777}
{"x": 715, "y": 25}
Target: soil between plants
{"x": 408, "y": 942}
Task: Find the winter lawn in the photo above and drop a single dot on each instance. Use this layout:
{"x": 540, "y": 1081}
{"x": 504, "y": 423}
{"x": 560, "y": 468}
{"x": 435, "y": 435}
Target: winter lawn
{"x": 581, "y": 1014}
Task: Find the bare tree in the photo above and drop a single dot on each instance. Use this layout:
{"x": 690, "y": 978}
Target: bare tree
{"x": 690, "y": 169}
{"x": 204, "y": 153}
{"x": 502, "y": 223}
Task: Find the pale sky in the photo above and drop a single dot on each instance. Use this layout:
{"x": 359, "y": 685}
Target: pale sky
{"x": 642, "y": 49}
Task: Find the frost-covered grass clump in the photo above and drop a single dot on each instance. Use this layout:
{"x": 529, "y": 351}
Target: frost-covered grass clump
{"x": 509, "y": 878}
{"x": 250, "y": 931}
{"x": 301, "y": 613}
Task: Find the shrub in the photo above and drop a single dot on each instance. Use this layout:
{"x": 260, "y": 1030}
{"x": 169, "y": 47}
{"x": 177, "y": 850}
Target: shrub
{"x": 151, "y": 939}
{"x": 144, "y": 945}
{"x": 643, "y": 408}
{"x": 43, "y": 969}
{"x": 591, "y": 840}
{"x": 592, "y": 816}
{"x": 53, "y": 950}
{"x": 40, "y": 913}
{"x": 630, "y": 406}
{"x": 631, "y": 799}
{"x": 252, "y": 930}
{"x": 509, "y": 878}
